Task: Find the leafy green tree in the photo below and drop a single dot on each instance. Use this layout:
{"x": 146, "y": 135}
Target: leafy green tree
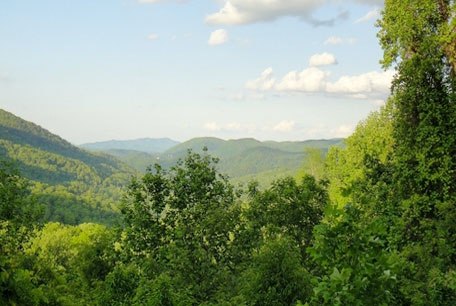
{"x": 182, "y": 220}
{"x": 287, "y": 207}
{"x": 276, "y": 275}
{"x": 355, "y": 266}
{"x": 19, "y": 214}
{"x": 419, "y": 38}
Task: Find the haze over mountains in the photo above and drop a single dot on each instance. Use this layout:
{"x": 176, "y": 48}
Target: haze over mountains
{"x": 150, "y": 145}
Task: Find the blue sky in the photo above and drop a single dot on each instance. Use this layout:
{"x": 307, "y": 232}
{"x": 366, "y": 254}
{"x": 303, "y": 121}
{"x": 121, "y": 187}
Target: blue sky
{"x": 271, "y": 69}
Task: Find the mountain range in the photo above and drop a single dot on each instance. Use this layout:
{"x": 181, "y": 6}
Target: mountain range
{"x": 242, "y": 160}
{"x": 76, "y": 185}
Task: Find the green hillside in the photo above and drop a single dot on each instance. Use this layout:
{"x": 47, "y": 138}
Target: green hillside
{"x": 242, "y": 159}
{"x": 74, "y": 185}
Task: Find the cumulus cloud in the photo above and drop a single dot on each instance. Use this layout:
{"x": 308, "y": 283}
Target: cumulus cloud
{"x": 370, "y": 85}
{"x": 264, "y": 82}
{"x": 284, "y": 126}
{"x": 218, "y": 37}
{"x": 236, "y": 12}
{"x": 371, "y": 82}
{"x": 323, "y": 59}
{"x": 324, "y": 131}
{"x": 334, "y": 40}
{"x": 374, "y": 14}
{"x": 153, "y": 36}
{"x": 309, "y": 80}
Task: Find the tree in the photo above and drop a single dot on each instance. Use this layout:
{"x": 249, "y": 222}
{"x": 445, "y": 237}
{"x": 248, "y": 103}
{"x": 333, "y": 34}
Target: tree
{"x": 354, "y": 265}
{"x": 276, "y": 276}
{"x": 19, "y": 213}
{"x": 314, "y": 164}
{"x": 288, "y": 208}
{"x": 419, "y": 38}
{"x": 179, "y": 221}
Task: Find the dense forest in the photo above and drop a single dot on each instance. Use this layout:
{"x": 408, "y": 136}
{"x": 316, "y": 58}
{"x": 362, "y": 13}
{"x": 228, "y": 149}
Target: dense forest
{"x": 370, "y": 223}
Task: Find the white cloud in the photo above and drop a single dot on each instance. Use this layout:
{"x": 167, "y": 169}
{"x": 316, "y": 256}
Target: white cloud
{"x": 323, "y": 59}
{"x": 373, "y": 85}
{"x": 218, "y": 37}
{"x": 374, "y": 14}
{"x": 284, "y": 126}
{"x": 236, "y": 12}
{"x": 248, "y": 11}
{"x": 212, "y": 126}
{"x": 334, "y": 40}
{"x": 342, "y": 131}
{"x": 153, "y": 36}
{"x": 367, "y": 83}
{"x": 264, "y": 82}
{"x": 309, "y": 80}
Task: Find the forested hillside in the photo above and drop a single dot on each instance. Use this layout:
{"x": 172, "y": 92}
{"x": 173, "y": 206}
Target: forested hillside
{"x": 74, "y": 185}
{"x": 242, "y": 160}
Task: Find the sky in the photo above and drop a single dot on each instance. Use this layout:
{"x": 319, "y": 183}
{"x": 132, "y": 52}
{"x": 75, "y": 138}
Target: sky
{"x": 94, "y": 70}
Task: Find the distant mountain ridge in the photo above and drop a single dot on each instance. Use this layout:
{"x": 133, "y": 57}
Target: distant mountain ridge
{"x": 242, "y": 159}
{"x": 148, "y": 145}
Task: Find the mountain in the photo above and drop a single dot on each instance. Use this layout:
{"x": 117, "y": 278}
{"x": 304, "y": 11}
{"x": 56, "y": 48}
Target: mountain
{"x": 157, "y": 145}
{"x": 74, "y": 185}
{"x": 242, "y": 159}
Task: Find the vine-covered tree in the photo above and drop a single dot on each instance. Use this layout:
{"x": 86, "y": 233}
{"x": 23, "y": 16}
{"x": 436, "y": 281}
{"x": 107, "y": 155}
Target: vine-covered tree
{"x": 419, "y": 38}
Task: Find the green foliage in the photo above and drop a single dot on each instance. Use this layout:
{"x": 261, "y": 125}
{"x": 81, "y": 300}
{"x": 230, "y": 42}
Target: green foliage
{"x": 276, "y": 275}
{"x": 119, "y": 286}
{"x": 314, "y": 164}
{"x": 348, "y": 168}
{"x": 182, "y": 219}
{"x": 18, "y": 217}
{"x": 286, "y": 208}
{"x": 355, "y": 266}
{"x": 418, "y": 36}
{"x": 161, "y": 292}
